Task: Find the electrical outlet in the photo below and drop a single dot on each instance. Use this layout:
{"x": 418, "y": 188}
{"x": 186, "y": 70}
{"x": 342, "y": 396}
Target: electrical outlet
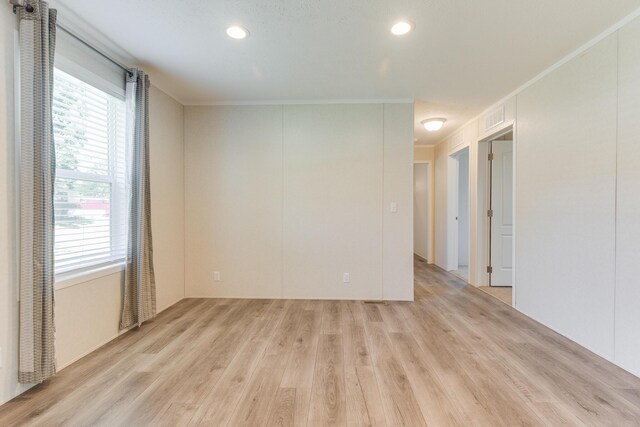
{"x": 216, "y": 276}
{"x": 346, "y": 278}
{"x": 393, "y": 207}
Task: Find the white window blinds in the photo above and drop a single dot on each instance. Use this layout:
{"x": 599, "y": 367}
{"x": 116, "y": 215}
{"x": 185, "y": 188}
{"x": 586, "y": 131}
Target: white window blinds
{"x": 90, "y": 192}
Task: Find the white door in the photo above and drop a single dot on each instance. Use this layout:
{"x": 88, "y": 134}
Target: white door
{"x": 502, "y": 207}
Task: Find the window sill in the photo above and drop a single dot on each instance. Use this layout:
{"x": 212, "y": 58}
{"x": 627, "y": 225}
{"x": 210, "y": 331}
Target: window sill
{"x": 77, "y": 277}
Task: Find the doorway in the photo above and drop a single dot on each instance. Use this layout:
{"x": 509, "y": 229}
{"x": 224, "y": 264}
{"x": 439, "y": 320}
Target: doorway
{"x": 422, "y": 211}
{"x": 500, "y": 213}
{"x": 496, "y": 196}
{"x": 459, "y": 254}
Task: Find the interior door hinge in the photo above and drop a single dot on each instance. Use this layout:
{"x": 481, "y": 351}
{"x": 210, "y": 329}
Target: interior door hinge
{"x": 489, "y": 269}
{"x": 490, "y": 213}
{"x": 490, "y": 156}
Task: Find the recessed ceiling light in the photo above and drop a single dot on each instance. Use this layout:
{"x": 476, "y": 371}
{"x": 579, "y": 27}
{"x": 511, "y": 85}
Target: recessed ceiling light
{"x": 434, "y": 124}
{"x": 237, "y": 32}
{"x": 402, "y": 27}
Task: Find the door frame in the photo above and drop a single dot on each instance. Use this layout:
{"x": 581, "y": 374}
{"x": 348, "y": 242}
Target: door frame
{"x": 483, "y": 238}
{"x": 431, "y": 256}
{"x": 453, "y": 189}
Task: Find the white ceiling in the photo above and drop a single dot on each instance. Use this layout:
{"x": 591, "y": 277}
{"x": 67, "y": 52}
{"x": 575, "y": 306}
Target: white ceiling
{"x": 462, "y": 56}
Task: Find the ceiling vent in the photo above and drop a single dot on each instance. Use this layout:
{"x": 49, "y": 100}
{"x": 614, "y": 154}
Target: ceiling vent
{"x": 494, "y": 118}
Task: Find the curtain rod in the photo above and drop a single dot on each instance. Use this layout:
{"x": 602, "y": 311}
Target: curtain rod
{"x": 23, "y": 3}
{"x": 90, "y": 46}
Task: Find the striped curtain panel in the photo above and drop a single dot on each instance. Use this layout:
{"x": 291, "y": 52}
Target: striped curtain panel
{"x": 139, "y": 296}
{"x": 37, "y": 176}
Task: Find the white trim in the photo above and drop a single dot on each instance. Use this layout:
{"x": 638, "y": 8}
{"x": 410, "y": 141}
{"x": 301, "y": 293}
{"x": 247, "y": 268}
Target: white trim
{"x": 482, "y": 189}
{"x": 113, "y": 177}
{"x": 431, "y": 253}
{"x": 505, "y": 128}
{"x": 453, "y": 188}
{"x": 294, "y": 297}
{"x": 481, "y": 249}
{"x": 303, "y": 102}
{"x": 514, "y": 229}
{"x": 75, "y": 23}
{"x": 70, "y": 19}
{"x": 81, "y": 73}
{"x": 579, "y": 51}
{"x": 454, "y": 151}
{"x": 453, "y": 211}
{"x": 77, "y": 277}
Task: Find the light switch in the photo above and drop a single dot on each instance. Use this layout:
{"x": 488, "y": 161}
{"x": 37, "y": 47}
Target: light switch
{"x": 393, "y": 207}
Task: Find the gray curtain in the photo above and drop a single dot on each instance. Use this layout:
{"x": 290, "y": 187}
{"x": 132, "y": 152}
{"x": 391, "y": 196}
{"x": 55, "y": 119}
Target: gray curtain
{"x": 37, "y": 176}
{"x": 139, "y": 296}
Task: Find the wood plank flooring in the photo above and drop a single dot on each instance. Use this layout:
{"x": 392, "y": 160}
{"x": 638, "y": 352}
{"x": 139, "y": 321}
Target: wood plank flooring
{"x": 455, "y": 356}
{"x": 504, "y": 294}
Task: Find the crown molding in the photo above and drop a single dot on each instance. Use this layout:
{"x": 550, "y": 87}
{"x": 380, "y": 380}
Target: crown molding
{"x": 75, "y": 23}
{"x": 576, "y": 53}
{"x": 303, "y": 102}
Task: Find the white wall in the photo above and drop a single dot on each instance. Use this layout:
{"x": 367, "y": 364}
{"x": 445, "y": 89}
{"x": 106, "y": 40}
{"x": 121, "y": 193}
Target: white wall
{"x": 87, "y": 314}
{"x": 627, "y": 292}
{"x": 397, "y": 180}
{"x": 441, "y": 167}
{"x": 463, "y": 208}
{"x": 333, "y": 159}
{"x": 565, "y": 198}
{"x": 282, "y": 200}
{"x": 233, "y": 199}
{"x": 8, "y": 214}
{"x": 166, "y": 140}
{"x": 577, "y": 142}
{"x": 426, "y": 154}
{"x": 423, "y": 153}
{"x": 421, "y": 187}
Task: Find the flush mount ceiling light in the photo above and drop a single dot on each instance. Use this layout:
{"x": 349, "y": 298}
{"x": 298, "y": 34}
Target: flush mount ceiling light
{"x": 401, "y": 28}
{"x": 237, "y": 32}
{"x": 433, "y": 125}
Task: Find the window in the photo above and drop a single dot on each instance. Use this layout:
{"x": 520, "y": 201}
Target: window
{"x": 90, "y": 194}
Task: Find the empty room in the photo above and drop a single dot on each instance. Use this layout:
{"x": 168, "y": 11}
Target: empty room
{"x": 319, "y": 213}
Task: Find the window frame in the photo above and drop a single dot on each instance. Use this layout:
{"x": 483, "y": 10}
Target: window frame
{"x": 74, "y": 275}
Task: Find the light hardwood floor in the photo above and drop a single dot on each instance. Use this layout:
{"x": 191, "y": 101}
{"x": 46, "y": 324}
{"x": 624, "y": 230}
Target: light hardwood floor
{"x": 504, "y": 294}
{"x": 455, "y": 356}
